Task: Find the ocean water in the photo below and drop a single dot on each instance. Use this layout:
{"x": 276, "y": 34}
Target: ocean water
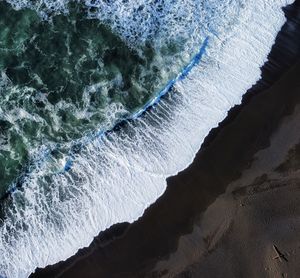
{"x": 73, "y": 71}
{"x": 69, "y": 77}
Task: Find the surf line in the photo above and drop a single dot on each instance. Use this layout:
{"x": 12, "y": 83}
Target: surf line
{"x": 101, "y": 133}
{"x": 153, "y": 102}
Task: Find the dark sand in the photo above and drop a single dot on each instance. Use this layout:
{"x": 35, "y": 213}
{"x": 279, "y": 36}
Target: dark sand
{"x": 234, "y": 212}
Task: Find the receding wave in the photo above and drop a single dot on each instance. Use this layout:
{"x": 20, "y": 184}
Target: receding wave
{"x": 114, "y": 177}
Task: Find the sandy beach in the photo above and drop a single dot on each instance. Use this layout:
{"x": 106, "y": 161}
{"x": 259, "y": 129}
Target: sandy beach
{"x": 235, "y": 211}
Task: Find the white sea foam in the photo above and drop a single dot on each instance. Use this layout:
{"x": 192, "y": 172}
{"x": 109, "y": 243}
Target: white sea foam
{"x": 116, "y": 177}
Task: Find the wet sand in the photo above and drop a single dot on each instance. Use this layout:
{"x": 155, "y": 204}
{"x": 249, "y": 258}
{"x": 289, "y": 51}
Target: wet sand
{"x": 235, "y": 211}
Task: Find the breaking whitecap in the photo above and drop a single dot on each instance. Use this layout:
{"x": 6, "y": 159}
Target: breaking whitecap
{"x": 116, "y": 176}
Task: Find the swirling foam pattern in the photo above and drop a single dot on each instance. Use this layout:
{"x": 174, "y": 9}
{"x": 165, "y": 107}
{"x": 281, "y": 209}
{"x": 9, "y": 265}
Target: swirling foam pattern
{"x": 116, "y": 176}
{"x": 67, "y": 77}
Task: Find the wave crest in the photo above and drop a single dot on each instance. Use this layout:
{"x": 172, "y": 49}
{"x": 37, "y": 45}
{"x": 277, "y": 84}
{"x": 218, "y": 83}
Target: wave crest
{"x": 117, "y": 176}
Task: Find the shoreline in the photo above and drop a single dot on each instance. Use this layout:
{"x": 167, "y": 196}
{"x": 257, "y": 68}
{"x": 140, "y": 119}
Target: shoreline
{"x": 156, "y": 234}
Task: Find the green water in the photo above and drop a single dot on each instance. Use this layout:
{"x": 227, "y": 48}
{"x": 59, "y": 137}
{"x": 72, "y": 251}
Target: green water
{"x": 64, "y": 78}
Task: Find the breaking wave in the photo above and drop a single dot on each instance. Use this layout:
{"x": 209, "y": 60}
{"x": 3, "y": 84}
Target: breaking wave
{"x": 120, "y": 173}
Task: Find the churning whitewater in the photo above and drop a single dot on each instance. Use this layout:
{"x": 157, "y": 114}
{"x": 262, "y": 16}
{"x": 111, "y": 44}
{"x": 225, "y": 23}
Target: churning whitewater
{"x": 116, "y": 176}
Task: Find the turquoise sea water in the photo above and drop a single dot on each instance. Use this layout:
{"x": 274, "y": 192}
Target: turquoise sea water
{"x": 68, "y": 76}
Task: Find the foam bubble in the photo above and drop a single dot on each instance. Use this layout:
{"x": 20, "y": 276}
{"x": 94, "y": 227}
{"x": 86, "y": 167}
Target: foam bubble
{"x": 115, "y": 177}
{"x": 46, "y": 8}
{"x": 143, "y": 21}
